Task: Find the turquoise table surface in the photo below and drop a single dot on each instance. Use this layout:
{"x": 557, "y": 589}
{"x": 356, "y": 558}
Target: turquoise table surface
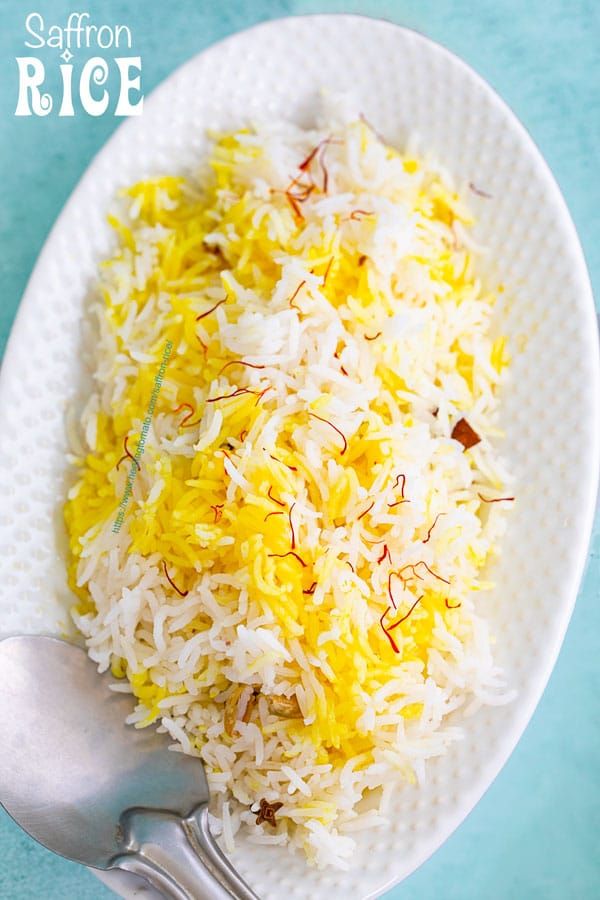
{"x": 534, "y": 835}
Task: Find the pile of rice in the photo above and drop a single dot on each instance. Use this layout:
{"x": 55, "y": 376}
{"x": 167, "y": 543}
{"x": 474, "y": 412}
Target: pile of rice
{"x": 291, "y": 593}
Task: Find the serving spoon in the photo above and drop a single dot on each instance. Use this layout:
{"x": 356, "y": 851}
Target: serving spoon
{"x": 90, "y": 788}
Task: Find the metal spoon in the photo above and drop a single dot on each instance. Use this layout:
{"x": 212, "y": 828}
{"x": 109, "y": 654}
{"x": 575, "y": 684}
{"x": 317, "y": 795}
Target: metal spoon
{"x": 87, "y": 786}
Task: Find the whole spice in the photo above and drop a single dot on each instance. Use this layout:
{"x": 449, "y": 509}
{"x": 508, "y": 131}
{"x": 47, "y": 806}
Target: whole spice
{"x": 238, "y": 706}
{"x": 266, "y": 813}
{"x": 464, "y": 434}
{"x": 287, "y": 707}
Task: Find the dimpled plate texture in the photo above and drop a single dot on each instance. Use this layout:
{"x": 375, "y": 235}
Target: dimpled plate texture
{"x": 404, "y": 84}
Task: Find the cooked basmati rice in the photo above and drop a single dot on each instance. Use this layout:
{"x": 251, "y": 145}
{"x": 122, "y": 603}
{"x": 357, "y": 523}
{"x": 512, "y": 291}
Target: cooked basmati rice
{"x": 248, "y": 601}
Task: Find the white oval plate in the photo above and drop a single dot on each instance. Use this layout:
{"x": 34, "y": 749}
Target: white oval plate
{"x": 404, "y": 84}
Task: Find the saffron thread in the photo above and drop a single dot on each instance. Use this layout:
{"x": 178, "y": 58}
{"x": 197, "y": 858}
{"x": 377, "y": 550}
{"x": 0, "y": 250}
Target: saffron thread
{"x": 379, "y": 137}
{"x": 324, "y": 171}
{"x": 404, "y": 618}
{"x": 431, "y": 572}
{"x": 366, "y": 511}
{"x": 398, "y": 477}
{"x": 414, "y": 567}
{"x": 289, "y": 553}
{"x": 304, "y": 165}
{"x": 386, "y": 552}
{"x": 218, "y": 511}
{"x": 237, "y": 393}
{"x": 184, "y": 422}
{"x": 451, "y": 607}
{"x": 403, "y": 569}
{"x": 292, "y": 526}
{"x": 295, "y": 294}
{"x": 172, "y": 583}
{"x": 305, "y": 193}
{"x": 128, "y": 454}
{"x": 212, "y": 309}
{"x": 274, "y": 499}
{"x": 439, "y": 516}
{"x": 293, "y": 203}
{"x": 335, "y": 428}
{"x": 186, "y": 417}
{"x": 479, "y": 192}
{"x": 306, "y": 162}
{"x": 281, "y": 463}
{"x": 262, "y": 394}
{"x": 239, "y": 362}
{"x": 387, "y": 634}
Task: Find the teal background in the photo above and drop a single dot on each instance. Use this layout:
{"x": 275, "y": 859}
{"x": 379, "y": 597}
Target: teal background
{"x": 535, "y": 833}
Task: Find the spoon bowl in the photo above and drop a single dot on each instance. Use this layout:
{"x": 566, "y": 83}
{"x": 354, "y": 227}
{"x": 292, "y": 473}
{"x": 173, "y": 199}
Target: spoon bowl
{"x": 90, "y": 788}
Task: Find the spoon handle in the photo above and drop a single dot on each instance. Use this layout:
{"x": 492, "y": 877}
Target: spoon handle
{"x": 179, "y": 857}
